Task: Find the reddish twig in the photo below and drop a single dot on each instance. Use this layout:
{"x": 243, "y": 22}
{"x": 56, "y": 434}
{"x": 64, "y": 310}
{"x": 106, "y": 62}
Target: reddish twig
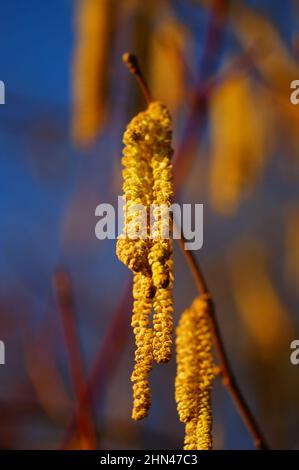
{"x": 85, "y": 425}
{"x": 197, "y": 112}
{"x": 107, "y": 357}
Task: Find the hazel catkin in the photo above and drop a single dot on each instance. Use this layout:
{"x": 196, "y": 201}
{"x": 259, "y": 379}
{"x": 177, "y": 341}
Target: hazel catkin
{"x": 195, "y": 374}
{"x": 142, "y": 293}
{"x": 146, "y": 246}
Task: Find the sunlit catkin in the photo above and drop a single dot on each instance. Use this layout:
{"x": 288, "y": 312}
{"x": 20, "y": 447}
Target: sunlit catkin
{"x": 163, "y": 323}
{"x": 145, "y": 246}
{"x": 90, "y": 68}
{"x": 190, "y": 440}
{"x": 238, "y": 142}
{"x": 195, "y": 374}
{"x": 142, "y": 294}
{"x": 161, "y": 248}
{"x": 133, "y": 245}
{"x": 168, "y": 45}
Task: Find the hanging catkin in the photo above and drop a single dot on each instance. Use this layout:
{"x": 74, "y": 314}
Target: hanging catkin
{"x": 195, "y": 374}
{"x": 238, "y": 142}
{"x": 145, "y": 246}
{"x": 142, "y": 293}
{"x": 163, "y": 307}
{"x": 90, "y": 69}
{"x": 161, "y": 247}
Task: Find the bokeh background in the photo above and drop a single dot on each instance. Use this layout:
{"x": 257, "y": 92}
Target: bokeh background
{"x": 224, "y": 68}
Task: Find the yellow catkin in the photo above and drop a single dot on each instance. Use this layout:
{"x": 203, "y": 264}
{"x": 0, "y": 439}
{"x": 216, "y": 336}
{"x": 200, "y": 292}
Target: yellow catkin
{"x": 161, "y": 249}
{"x": 147, "y": 182}
{"x": 142, "y": 294}
{"x": 163, "y": 321}
{"x": 190, "y": 440}
{"x": 195, "y": 374}
{"x": 262, "y": 310}
{"x": 167, "y": 69}
{"x": 238, "y": 142}
{"x": 89, "y": 69}
{"x": 133, "y": 245}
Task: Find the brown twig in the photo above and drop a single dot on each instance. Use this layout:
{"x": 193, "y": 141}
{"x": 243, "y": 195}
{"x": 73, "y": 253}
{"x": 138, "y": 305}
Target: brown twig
{"x": 86, "y": 427}
{"x": 107, "y": 357}
{"x": 197, "y": 112}
{"x": 131, "y": 61}
{"x": 229, "y": 380}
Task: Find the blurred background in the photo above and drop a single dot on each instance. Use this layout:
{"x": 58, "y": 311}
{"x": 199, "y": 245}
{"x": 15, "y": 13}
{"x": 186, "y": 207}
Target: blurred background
{"x": 224, "y": 69}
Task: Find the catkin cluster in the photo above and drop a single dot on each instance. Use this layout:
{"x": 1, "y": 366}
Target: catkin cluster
{"x": 195, "y": 374}
{"x": 146, "y": 245}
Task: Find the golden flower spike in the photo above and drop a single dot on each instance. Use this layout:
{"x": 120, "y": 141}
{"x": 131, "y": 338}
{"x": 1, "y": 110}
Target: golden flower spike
{"x": 133, "y": 246}
{"x": 163, "y": 320}
{"x": 146, "y": 248}
{"x": 160, "y": 255}
{"x": 195, "y": 374}
{"x": 147, "y": 181}
{"x": 142, "y": 293}
{"x": 92, "y": 26}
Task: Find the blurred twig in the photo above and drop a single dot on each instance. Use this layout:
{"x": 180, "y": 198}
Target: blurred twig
{"x": 197, "y": 111}
{"x": 86, "y": 427}
{"x": 107, "y": 357}
{"x": 228, "y": 378}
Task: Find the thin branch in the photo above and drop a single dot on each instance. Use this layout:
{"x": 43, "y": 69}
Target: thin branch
{"x": 131, "y": 61}
{"x": 107, "y": 357}
{"x": 195, "y": 119}
{"x": 85, "y": 424}
{"x": 229, "y": 380}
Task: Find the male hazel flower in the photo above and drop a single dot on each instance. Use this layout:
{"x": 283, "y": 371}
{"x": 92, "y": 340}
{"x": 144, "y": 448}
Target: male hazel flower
{"x": 142, "y": 293}
{"x": 147, "y": 251}
{"x": 195, "y": 374}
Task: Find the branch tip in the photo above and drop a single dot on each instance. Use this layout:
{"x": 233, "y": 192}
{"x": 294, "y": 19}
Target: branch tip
{"x": 131, "y": 61}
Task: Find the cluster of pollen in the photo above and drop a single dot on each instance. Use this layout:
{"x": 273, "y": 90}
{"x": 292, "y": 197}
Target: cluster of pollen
{"x": 195, "y": 374}
{"x": 146, "y": 248}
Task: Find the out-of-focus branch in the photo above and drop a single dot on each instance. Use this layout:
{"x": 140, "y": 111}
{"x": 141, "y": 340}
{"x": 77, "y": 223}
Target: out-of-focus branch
{"x": 65, "y": 300}
{"x": 228, "y": 378}
{"x": 197, "y": 111}
{"x": 107, "y": 357}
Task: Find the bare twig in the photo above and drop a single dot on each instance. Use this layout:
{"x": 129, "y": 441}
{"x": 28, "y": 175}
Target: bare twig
{"x": 107, "y": 357}
{"x": 197, "y": 111}
{"x": 228, "y": 378}
{"x": 86, "y": 427}
{"x": 132, "y": 63}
